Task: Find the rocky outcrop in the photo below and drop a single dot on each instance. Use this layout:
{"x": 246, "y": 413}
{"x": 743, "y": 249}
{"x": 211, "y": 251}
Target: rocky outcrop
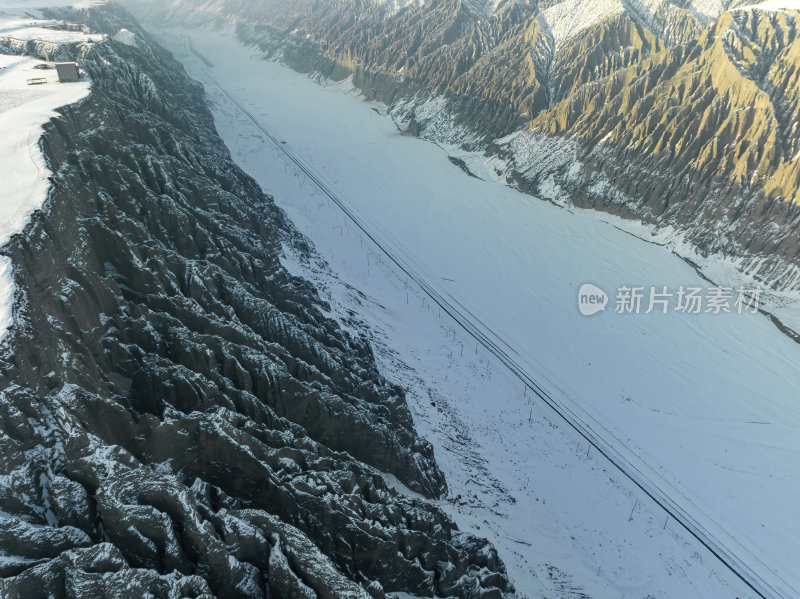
{"x": 178, "y": 417}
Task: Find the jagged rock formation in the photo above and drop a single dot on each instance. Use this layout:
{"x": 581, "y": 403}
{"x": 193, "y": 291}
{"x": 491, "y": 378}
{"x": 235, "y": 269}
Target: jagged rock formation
{"x": 177, "y": 416}
{"x": 674, "y": 112}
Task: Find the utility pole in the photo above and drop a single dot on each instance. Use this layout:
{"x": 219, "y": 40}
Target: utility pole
{"x": 633, "y": 510}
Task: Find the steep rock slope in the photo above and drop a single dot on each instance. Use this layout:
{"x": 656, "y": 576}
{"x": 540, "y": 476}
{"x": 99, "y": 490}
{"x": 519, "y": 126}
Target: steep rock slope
{"x": 701, "y": 134}
{"x": 178, "y": 418}
{"x": 583, "y": 99}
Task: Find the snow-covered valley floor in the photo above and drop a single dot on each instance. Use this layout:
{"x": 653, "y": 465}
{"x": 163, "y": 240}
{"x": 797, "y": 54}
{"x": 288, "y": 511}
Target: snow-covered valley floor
{"x": 707, "y": 403}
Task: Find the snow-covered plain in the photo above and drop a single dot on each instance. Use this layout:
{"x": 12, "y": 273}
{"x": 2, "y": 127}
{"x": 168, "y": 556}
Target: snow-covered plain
{"x": 706, "y": 403}
{"x": 24, "y": 109}
{"x": 33, "y": 7}
{"x": 25, "y": 29}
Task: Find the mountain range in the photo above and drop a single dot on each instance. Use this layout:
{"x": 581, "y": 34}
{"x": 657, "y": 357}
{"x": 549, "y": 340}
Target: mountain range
{"x": 680, "y": 114}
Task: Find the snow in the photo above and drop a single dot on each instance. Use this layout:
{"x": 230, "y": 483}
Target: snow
{"x": 774, "y": 5}
{"x": 126, "y": 37}
{"x": 25, "y": 6}
{"x": 24, "y": 110}
{"x": 532, "y": 151}
{"x": 706, "y": 405}
{"x": 39, "y": 29}
{"x": 708, "y": 9}
{"x": 482, "y": 7}
{"x": 395, "y": 5}
{"x": 566, "y": 20}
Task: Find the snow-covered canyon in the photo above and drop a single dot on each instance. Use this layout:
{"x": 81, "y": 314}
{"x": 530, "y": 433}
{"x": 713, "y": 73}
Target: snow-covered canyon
{"x": 704, "y": 403}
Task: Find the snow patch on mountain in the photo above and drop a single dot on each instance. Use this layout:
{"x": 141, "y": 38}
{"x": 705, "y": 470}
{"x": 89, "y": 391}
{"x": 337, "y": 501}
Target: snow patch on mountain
{"x": 482, "y": 7}
{"x": 395, "y": 5}
{"x": 773, "y": 5}
{"x": 644, "y": 9}
{"x": 570, "y": 18}
{"x": 24, "y": 109}
{"x": 707, "y": 10}
{"x": 434, "y": 118}
{"x": 124, "y": 36}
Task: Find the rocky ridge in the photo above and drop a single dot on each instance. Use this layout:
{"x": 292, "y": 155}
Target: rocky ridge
{"x": 178, "y": 417}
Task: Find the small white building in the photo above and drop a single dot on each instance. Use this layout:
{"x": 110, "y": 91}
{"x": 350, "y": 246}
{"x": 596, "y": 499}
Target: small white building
{"x": 68, "y": 71}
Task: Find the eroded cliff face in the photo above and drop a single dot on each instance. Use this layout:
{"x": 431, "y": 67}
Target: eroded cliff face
{"x": 673, "y": 113}
{"x": 178, "y": 417}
